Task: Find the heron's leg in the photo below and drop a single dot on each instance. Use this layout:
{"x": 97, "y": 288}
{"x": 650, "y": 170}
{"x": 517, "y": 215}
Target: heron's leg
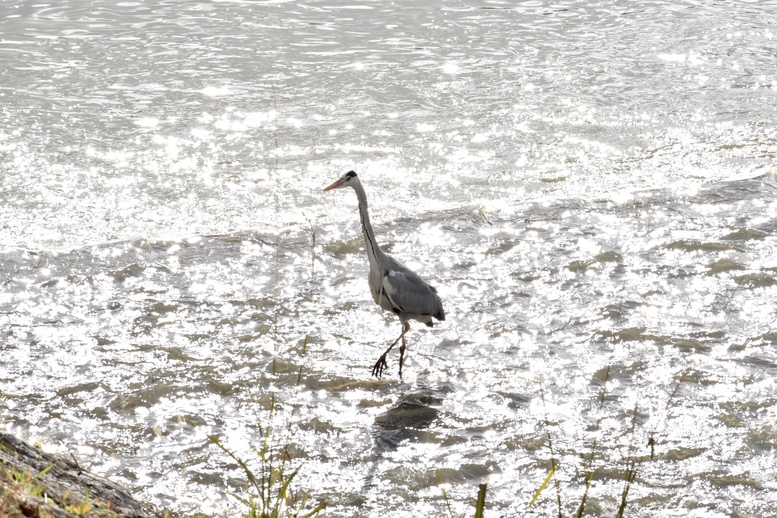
{"x": 405, "y": 329}
{"x": 381, "y": 364}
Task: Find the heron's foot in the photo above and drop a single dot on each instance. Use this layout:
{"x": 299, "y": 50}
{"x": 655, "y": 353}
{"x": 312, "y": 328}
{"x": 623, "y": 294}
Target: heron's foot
{"x": 379, "y": 367}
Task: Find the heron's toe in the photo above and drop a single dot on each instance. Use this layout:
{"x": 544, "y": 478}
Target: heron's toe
{"x": 379, "y": 367}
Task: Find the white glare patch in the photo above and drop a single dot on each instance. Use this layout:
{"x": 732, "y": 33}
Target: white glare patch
{"x": 588, "y": 246}
{"x": 450, "y": 68}
{"x": 147, "y": 122}
{"x": 672, "y": 58}
{"x": 200, "y": 133}
{"x": 53, "y": 448}
{"x": 260, "y": 175}
{"x": 622, "y": 197}
{"x": 227, "y": 124}
{"x": 215, "y": 91}
{"x": 423, "y": 127}
{"x": 256, "y": 119}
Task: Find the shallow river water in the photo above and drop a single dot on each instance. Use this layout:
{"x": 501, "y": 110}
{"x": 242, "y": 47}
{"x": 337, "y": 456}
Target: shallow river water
{"x": 590, "y": 186}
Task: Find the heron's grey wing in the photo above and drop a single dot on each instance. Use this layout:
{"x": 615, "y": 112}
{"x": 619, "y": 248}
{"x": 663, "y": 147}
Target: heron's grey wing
{"x": 408, "y": 293}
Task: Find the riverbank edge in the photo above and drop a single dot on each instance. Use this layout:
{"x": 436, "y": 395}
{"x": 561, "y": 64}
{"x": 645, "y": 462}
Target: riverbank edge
{"x": 38, "y": 484}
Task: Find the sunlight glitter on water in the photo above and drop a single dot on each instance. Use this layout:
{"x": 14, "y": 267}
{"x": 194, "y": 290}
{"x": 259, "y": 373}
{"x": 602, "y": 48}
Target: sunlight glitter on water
{"x": 512, "y": 180}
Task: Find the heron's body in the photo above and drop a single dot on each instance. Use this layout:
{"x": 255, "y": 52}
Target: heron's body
{"x": 393, "y": 286}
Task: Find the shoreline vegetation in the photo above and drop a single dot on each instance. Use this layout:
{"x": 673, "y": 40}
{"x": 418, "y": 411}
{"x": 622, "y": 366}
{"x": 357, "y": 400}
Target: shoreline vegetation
{"x": 34, "y": 483}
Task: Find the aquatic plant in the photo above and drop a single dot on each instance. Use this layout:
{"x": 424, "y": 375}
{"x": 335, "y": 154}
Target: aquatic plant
{"x": 271, "y": 484}
{"x": 481, "y": 502}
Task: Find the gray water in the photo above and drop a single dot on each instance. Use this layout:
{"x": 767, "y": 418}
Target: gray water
{"x": 590, "y": 186}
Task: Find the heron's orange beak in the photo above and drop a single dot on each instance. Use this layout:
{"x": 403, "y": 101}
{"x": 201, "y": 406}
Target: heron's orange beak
{"x": 335, "y": 185}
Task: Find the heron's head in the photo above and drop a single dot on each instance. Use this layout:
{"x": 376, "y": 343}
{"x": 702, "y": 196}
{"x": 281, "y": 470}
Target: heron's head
{"x": 349, "y": 179}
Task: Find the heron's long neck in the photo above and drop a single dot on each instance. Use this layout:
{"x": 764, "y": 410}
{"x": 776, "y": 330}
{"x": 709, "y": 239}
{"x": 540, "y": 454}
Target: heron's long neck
{"x": 373, "y": 250}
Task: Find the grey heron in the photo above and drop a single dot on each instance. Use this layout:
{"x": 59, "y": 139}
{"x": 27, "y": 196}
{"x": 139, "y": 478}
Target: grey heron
{"x": 394, "y": 287}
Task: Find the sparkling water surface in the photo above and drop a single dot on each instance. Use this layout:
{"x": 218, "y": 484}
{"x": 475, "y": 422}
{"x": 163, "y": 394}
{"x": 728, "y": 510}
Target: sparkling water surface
{"x": 589, "y": 185}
